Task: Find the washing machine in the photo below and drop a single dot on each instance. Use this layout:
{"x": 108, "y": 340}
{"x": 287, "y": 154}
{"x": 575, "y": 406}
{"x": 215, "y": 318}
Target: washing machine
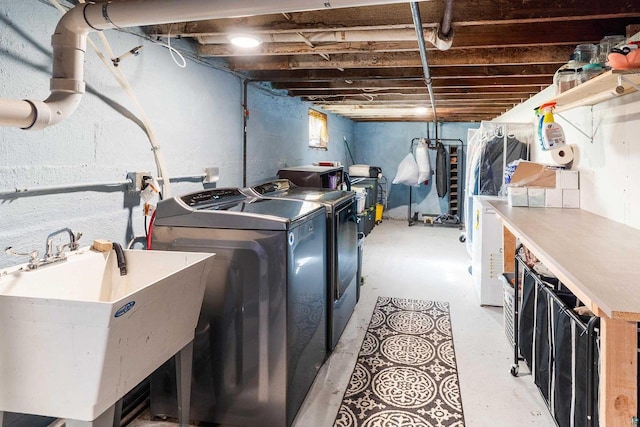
{"x": 342, "y": 246}
{"x": 261, "y": 335}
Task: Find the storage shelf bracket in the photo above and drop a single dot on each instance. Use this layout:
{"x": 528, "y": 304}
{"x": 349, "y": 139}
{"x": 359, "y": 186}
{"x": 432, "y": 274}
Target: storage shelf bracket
{"x": 573, "y": 125}
{"x": 622, "y": 78}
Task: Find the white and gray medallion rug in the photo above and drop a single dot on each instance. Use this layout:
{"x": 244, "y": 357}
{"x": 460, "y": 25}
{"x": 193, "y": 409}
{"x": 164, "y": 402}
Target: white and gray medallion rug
{"x": 405, "y": 375}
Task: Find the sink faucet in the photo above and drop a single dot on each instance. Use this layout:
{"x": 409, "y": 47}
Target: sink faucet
{"x": 49, "y": 256}
{"x": 72, "y": 245}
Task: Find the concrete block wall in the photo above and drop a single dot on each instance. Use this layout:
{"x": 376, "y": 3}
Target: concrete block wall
{"x": 385, "y": 144}
{"x": 196, "y": 112}
{"x": 277, "y": 126}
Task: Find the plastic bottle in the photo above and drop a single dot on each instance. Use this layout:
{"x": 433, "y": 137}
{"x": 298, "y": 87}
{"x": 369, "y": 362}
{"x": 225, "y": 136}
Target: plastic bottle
{"x": 550, "y": 133}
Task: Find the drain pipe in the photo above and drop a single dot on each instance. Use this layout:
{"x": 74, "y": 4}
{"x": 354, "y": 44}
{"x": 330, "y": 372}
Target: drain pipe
{"x": 70, "y": 38}
{"x": 445, "y": 30}
{"x": 417, "y": 22}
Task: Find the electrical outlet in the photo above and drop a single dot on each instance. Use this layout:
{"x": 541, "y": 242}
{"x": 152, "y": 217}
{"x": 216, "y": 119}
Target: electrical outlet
{"x": 136, "y": 178}
{"x": 212, "y": 175}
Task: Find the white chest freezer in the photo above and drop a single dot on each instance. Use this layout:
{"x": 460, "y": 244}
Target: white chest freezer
{"x": 486, "y": 254}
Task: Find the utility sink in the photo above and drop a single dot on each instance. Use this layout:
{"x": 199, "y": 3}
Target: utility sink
{"x": 75, "y": 336}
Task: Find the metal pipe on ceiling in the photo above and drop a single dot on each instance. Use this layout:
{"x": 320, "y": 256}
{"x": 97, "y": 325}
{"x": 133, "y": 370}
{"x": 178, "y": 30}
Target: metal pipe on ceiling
{"x": 446, "y": 31}
{"x": 417, "y": 21}
{"x": 70, "y": 37}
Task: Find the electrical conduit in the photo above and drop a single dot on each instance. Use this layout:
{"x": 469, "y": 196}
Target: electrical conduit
{"x": 417, "y": 22}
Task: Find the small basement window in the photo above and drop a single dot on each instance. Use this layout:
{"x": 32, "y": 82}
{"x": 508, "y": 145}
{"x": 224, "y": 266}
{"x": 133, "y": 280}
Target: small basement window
{"x": 318, "y": 130}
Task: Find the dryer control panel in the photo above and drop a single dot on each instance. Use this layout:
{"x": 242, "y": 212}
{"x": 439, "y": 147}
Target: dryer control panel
{"x": 215, "y": 196}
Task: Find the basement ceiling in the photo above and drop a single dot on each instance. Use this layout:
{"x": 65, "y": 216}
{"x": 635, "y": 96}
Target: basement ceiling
{"x": 364, "y": 63}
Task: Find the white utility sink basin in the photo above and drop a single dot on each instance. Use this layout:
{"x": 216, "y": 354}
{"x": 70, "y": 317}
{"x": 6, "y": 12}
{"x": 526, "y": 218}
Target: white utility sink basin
{"x": 75, "y": 336}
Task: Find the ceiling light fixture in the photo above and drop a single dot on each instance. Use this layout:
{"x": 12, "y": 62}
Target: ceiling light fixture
{"x": 421, "y": 110}
{"x": 245, "y": 40}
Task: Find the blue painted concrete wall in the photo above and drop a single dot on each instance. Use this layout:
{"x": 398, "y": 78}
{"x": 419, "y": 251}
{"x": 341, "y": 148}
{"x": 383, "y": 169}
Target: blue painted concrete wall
{"x": 385, "y": 144}
{"x": 196, "y": 112}
{"x": 278, "y": 135}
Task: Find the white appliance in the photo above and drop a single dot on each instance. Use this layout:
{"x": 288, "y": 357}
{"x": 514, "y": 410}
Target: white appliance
{"x": 486, "y": 254}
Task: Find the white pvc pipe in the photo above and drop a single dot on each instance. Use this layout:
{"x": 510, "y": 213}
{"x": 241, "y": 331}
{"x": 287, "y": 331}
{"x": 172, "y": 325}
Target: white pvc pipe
{"x": 70, "y": 37}
{"x": 16, "y": 113}
{"x": 152, "y": 12}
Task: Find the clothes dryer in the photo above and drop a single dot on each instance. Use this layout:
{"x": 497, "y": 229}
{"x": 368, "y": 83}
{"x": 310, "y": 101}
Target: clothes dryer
{"x": 342, "y": 246}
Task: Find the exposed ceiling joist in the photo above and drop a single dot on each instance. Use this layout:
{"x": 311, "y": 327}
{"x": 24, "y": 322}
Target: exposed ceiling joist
{"x": 465, "y": 13}
{"x": 492, "y": 56}
{"x": 364, "y": 63}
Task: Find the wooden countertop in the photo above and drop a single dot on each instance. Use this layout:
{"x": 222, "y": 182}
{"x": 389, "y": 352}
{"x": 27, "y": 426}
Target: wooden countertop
{"x": 597, "y": 258}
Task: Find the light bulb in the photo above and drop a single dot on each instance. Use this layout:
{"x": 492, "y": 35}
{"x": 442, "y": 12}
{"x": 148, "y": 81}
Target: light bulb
{"x": 244, "y": 40}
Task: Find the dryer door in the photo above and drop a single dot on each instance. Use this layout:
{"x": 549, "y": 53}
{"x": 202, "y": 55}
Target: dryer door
{"x": 346, "y": 244}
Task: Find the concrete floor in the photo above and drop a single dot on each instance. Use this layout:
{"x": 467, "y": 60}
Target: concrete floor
{"x": 429, "y": 263}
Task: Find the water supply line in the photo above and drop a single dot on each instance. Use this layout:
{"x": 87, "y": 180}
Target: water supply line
{"x": 70, "y": 39}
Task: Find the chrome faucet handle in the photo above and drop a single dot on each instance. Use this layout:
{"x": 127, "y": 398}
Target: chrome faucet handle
{"x": 49, "y": 253}
{"x": 60, "y": 249}
{"x": 33, "y": 254}
{"x": 73, "y": 245}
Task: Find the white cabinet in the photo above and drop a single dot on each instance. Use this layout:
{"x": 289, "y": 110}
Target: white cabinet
{"x": 486, "y": 254}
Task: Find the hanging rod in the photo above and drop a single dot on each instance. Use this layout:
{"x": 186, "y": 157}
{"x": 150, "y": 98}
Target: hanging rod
{"x": 443, "y": 141}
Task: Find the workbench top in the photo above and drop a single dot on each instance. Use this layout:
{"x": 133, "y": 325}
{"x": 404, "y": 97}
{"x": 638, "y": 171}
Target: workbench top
{"x": 596, "y": 258}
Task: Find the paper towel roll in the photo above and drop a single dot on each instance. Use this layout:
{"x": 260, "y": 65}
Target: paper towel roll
{"x": 558, "y": 156}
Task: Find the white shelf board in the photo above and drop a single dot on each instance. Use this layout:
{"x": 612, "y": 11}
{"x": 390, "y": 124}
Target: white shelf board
{"x": 600, "y": 88}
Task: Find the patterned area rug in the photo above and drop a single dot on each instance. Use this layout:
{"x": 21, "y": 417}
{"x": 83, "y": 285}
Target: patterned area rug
{"x": 406, "y": 372}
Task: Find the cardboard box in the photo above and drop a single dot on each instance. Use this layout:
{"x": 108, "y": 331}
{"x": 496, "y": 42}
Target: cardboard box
{"x": 569, "y": 180}
{"x": 570, "y": 198}
{"x": 517, "y": 196}
{"x": 533, "y": 174}
{"x": 535, "y": 195}
{"x": 553, "y": 198}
